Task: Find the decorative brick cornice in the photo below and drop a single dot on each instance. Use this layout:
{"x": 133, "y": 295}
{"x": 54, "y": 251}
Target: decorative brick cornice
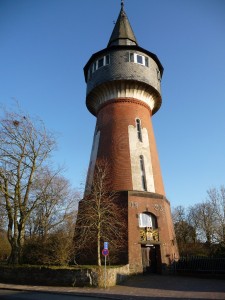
{"x": 125, "y": 100}
{"x": 148, "y": 195}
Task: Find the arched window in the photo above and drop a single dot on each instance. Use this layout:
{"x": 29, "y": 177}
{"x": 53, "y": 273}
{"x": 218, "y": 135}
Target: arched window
{"x": 148, "y": 220}
{"x": 143, "y": 177}
{"x": 138, "y": 126}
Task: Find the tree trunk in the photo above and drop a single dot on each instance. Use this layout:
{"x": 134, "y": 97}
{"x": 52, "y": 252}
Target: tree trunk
{"x": 208, "y": 238}
{"x": 14, "y": 257}
{"x": 99, "y": 246}
{"x": 16, "y": 240}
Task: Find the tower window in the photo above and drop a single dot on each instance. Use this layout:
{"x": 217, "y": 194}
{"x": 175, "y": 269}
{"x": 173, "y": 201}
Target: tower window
{"x": 132, "y": 57}
{"x": 143, "y": 177}
{"x": 101, "y": 62}
{"x": 146, "y": 61}
{"x": 107, "y": 59}
{"x": 138, "y": 125}
{"x": 158, "y": 74}
{"x": 138, "y": 59}
{"x": 94, "y": 66}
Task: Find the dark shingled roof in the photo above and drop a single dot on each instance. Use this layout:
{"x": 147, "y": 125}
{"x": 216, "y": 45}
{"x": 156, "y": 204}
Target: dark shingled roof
{"x": 122, "y": 37}
{"x": 122, "y": 30}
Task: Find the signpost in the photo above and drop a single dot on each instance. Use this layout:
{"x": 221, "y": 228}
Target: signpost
{"x": 105, "y": 252}
{"x": 106, "y": 245}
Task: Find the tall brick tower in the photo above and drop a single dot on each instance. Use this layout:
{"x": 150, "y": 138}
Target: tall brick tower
{"x": 123, "y": 92}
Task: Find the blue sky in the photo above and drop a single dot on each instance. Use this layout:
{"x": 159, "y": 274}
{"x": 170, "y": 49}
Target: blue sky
{"x": 46, "y": 43}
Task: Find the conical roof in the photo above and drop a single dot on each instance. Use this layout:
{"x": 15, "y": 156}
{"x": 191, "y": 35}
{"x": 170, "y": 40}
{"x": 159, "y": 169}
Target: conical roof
{"x": 122, "y": 33}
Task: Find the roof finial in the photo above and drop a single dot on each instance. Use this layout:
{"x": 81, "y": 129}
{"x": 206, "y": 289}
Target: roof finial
{"x": 122, "y": 4}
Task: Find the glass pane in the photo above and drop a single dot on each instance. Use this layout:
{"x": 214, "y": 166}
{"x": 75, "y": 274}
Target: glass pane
{"x": 142, "y": 163}
{"x": 153, "y": 222}
{"x": 132, "y": 57}
{"x": 139, "y": 59}
{"x": 100, "y": 62}
{"x": 158, "y": 75}
{"x": 146, "y": 61}
{"x": 139, "y": 135}
{"x": 94, "y": 67}
{"x": 144, "y": 183}
{"x": 107, "y": 59}
{"x": 139, "y": 129}
{"x": 89, "y": 73}
{"x": 145, "y": 220}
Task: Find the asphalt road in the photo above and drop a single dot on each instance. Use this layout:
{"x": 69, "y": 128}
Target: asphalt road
{"x": 152, "y": 287}
{"x": 21, "y": 295}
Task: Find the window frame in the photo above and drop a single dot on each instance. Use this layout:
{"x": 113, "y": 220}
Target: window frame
{"x": 139, "y": 129}
{"x": 158, "y": 74}
{"x": 143, "y": 175}
{"x": 96, "y": 64}
{"x": 134, "y": 57}
{"x": 147, "y": 215}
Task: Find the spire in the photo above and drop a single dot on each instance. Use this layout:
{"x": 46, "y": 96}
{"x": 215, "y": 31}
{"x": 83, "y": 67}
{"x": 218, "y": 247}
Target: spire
{"x": 122, "y": 4}
{"x": 122, "y": 33}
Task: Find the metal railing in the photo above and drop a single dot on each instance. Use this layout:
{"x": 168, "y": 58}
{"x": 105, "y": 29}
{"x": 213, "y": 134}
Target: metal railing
{"x": 200, "y": 265}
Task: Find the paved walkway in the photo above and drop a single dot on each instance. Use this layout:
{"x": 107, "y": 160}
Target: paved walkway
{"x": 144, "y": 287}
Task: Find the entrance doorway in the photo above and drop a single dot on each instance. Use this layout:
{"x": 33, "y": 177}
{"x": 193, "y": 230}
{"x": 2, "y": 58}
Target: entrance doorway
{"x": 149, "y": 258}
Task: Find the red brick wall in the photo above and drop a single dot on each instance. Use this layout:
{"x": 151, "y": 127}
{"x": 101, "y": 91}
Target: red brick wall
{"x": 113, "y": 120}
{"x": 159, "y": 207}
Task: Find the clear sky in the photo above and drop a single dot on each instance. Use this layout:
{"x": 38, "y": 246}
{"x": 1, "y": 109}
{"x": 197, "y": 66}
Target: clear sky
{"x": 44, "y": 45}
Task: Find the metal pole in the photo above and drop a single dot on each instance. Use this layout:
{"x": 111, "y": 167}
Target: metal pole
{"x": 105, "y": 272}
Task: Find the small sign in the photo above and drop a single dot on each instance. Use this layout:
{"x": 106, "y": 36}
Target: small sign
{"x": 105, "y": 252}
{"x": 106, "y": 245}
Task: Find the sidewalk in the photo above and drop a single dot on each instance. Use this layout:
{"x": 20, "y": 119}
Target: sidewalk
{"x": 143, "y": 287}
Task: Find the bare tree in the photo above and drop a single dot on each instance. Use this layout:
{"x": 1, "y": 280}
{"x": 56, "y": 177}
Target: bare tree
{"x": 202, "y": 224}
{"x": 2, "y": 214}
{"x": 58, "y": 201}
{"x": 100, "y": 218}
{"x": 202, "y": 215}
{"x": 56, "y": 248}
{"x": 185, "y": 232}
{"x": 178, "y": 214}
{"x": 4, "y": 245}
{"x": 216, "y": 197}
{"x": 25, "y": 146}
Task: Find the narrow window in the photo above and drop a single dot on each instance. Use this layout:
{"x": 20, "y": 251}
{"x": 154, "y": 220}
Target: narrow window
{"x": 146, "y": 61}
{"x": 138, "y": 125}
{"x": 132, "y": 57}
{"x": 107, "y": 59}
{"x": 100, "y": 62}
{"x": 158, "y": 74}
{"x": 89, "y": 74}
{"x": 143, "y": 177}
{"x": 94, "y": 67}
